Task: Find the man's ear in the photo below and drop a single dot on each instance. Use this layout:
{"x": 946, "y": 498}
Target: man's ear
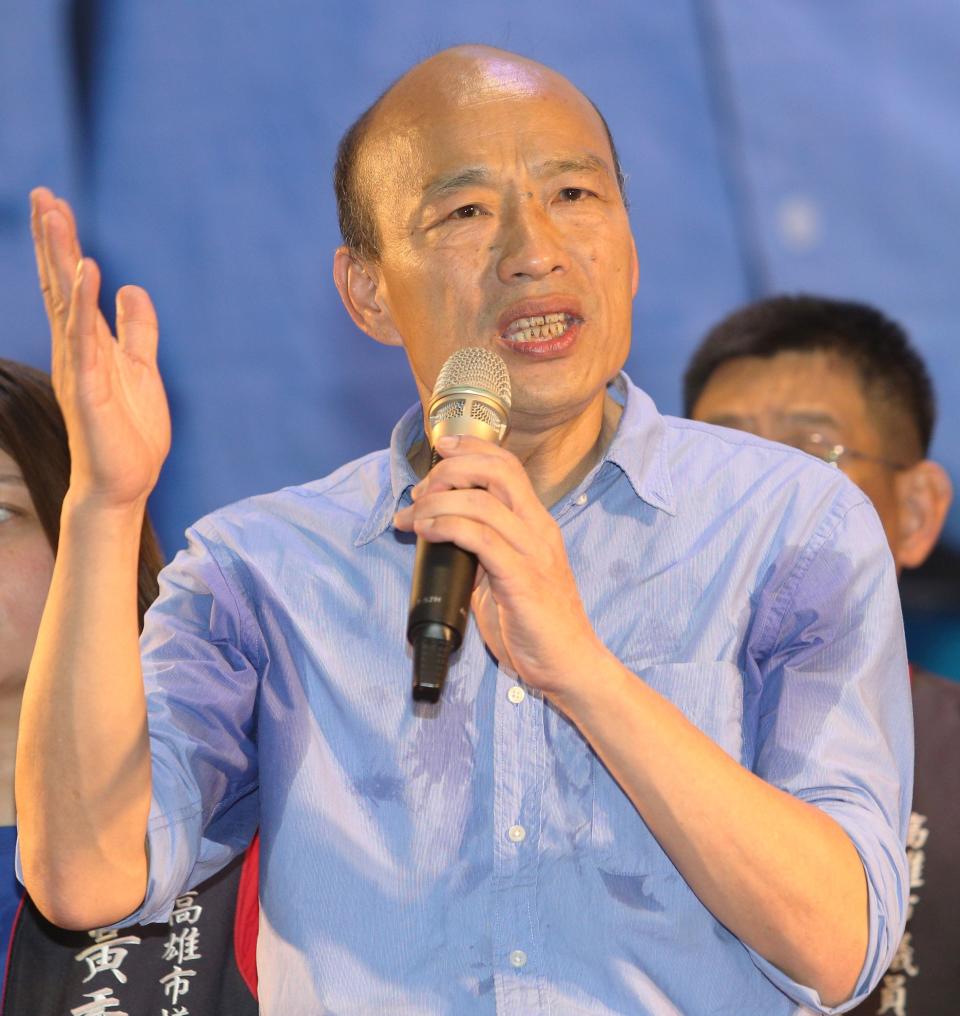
{"x": 358, "y": 283}
{"x": 924, "y": 493}
{"x": 634, "y": 267}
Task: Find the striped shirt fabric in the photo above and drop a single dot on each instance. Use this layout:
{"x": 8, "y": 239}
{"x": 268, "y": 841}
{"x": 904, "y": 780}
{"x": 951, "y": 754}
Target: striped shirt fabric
{"x": 475, "y": 857}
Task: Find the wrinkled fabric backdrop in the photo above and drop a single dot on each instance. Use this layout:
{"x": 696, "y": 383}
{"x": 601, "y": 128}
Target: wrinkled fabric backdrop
{"x": 770, "y": 147}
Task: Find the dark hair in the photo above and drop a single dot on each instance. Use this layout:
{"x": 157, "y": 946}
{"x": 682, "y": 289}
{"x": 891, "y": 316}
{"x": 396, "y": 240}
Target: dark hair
{"x": 890, "y": 369}
{"x": 32, "y": 433}
{"x": 358, "y": 224}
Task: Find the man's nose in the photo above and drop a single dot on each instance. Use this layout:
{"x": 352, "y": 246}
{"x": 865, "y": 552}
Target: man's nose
{"x": 530, "y": 245}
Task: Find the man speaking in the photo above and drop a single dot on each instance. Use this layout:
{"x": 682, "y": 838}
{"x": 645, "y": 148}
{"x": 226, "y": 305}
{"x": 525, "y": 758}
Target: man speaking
{"x": 670, "y": 769}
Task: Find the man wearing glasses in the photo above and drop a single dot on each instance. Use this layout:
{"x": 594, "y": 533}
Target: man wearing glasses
{"x": 841, "y": 381}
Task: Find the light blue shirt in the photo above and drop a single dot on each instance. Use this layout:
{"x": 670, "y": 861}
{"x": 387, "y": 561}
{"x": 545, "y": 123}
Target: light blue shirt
{"x": 476, "y": 857}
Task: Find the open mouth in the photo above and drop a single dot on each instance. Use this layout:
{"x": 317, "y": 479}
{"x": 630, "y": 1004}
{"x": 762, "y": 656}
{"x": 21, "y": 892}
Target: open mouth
{"x": 539, "y": 328}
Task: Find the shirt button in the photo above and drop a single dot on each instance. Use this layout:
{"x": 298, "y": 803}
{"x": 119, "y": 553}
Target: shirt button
{"x": 581, "y": 500}
{"x": 516, "y": 694}
{"x": 516, "y": 834}
{"x": 518, "y": 958}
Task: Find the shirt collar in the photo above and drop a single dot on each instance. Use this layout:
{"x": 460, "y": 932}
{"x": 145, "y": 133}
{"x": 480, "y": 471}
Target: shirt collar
{"x": 639, "y": 447}
{"x": 638, "y": 450}
{"x": 408, "y": 430}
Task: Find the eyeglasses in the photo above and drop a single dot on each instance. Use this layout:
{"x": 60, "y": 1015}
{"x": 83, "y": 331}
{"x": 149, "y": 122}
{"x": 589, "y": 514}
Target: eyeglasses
{"x": 836, "y": 454}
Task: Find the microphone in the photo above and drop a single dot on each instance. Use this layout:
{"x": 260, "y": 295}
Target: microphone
{"x": 471, "y": 396}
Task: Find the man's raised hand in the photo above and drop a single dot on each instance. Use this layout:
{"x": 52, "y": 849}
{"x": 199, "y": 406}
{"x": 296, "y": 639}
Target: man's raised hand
{"x": 109, "y": 390}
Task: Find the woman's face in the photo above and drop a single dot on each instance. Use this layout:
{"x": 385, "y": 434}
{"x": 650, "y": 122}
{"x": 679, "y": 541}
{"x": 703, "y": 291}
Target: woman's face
{"x": 26, "y": 565}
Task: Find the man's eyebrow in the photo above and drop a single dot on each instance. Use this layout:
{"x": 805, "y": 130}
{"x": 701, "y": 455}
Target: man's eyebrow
{"x": 812, "y": 418}
{"x": 12, "y": 478}
{"x": 474, "y": 175}
{"x": 573, "y": 164}
{"x": 450, "y": 182}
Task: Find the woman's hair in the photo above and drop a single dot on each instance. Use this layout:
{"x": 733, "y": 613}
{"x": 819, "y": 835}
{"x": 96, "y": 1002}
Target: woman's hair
{"x": 32, "y": 433}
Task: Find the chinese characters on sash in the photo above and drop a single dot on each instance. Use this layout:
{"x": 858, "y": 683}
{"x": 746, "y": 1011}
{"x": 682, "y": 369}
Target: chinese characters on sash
{"x": 896, "y": 981}
{"x": 104, "y": 960}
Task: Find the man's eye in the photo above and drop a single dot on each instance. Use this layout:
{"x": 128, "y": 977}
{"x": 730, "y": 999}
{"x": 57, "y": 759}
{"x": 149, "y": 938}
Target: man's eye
{"x": 6, "y": 513}
{"x": 467, "y": 212}
{"x": 574, "y": 193}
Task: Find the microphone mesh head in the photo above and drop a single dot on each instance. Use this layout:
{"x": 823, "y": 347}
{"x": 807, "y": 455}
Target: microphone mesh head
{"x": 475, "y": 367}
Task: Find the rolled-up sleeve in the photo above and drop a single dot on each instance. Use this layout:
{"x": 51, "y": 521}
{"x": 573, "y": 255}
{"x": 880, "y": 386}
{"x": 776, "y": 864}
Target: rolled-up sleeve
{"x": 836, "y": 724}
{"x": 201, "y": 655}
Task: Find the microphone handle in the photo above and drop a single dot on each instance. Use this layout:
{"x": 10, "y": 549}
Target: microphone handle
{"x": 443, "y": 577}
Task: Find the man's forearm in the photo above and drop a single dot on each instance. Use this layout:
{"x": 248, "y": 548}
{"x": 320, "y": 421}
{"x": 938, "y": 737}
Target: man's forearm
{"x": 774, "y": 870}
{"x": 83, "y": 758}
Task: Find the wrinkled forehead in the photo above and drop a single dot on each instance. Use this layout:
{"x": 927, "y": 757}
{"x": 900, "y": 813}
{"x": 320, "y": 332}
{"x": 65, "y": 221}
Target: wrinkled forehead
{"x": 786, "y": 377}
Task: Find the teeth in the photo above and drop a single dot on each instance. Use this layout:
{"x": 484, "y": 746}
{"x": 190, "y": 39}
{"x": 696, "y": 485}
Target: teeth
{"x": 546, "y": 326}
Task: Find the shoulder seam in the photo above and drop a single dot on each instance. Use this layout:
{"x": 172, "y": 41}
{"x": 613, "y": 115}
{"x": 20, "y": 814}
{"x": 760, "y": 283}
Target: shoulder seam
{"x": 243, "y": 613}
{"x": 330, "y": 482}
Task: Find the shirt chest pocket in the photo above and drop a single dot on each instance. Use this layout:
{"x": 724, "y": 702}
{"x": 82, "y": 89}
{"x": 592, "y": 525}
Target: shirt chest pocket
{"x": 710, "y": 695}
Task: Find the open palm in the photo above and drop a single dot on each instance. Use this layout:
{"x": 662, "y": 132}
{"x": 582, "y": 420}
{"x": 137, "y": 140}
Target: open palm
{"x": 109, "y": 390}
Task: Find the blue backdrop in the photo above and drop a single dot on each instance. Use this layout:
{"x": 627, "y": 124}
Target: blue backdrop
{"x": 770, "y": 147}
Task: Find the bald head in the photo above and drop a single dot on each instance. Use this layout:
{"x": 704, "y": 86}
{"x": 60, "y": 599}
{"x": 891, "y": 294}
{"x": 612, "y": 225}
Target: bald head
{"x": 380, "y": 145}
{"x": 464, "y": 76}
